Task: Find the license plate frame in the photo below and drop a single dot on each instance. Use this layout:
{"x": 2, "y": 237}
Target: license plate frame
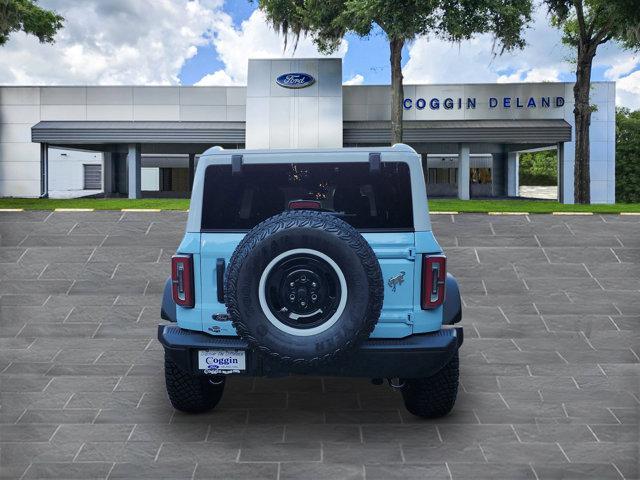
{"x": 222, "y": 361}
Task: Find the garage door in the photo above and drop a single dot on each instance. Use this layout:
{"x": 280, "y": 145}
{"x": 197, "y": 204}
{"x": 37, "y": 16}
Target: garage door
{"x": 93, "y": 177}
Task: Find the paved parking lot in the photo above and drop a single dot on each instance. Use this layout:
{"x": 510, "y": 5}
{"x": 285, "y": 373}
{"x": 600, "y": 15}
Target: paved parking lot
{"x": 549, "y": 365}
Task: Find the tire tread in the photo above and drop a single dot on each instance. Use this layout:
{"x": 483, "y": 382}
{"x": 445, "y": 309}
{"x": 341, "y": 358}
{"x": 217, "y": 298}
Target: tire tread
{"x": 315, "y": 220}
{"x": 190, "y": 393}
{"x": 434, "y": 396}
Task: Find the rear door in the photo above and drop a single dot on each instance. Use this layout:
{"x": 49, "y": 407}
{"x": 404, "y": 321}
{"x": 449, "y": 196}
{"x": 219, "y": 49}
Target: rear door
{"x": 396, "y": 254}
{"x": 377, "y": 203}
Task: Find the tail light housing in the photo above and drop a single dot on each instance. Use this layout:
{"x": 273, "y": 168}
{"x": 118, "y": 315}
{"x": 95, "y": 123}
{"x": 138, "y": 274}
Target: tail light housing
{"x": 182, "y": 280}
{"x": 305, "y": 205}
{"x": 434, "y": 275}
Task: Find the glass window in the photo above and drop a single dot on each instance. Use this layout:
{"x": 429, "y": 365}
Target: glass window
{"x": 480, "y": 175}
{"x": 348, "y": 190}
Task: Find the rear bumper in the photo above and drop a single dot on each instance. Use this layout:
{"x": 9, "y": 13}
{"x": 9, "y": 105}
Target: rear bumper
{"x": 415, "y": 356}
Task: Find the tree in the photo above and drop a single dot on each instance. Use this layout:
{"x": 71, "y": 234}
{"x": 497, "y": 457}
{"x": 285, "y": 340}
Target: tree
{"x": 587, "y": 24}
{"x": 28, "y": 17}
{"x": 327, "y": 22}
{"x": 627, "y": 156}
{"x": 539, "y": 168}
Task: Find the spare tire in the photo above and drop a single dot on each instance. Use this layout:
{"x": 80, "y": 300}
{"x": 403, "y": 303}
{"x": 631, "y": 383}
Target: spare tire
{"x": 304, "y": 287}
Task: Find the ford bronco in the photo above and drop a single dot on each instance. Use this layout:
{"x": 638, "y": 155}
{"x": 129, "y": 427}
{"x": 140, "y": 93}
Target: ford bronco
{"x": 313, "y": 262}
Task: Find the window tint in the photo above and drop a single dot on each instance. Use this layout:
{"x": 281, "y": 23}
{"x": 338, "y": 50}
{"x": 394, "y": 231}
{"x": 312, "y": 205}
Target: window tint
{"x": 348, "y": 190}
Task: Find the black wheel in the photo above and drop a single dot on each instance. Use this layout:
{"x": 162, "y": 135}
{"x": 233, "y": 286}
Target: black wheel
{"x": 191, "y": 393}
{"x": 433, "y": 396}
{"x": 303, "y": 287}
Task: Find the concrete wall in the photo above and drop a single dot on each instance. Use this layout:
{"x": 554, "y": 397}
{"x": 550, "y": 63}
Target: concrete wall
{"x": 23, "y": 107}
{"x": 66, "y": 173}
{"x": 19, "y": 158}
{"x": 279, "y": 117}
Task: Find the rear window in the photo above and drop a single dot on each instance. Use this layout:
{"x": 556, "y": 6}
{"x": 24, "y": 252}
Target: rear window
{"x": 367, "y": 201}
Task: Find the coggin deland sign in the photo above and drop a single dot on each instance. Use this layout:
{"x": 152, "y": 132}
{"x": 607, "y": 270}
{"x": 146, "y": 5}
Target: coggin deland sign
{"x": 469, "y": 103}
{"x": 302, "y": 80}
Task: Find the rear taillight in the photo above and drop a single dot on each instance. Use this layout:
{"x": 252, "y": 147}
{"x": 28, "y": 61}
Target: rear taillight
{"x": 182, "y": 280}
{"x": 434, "y": 274}
{"x": 305, "y": 205}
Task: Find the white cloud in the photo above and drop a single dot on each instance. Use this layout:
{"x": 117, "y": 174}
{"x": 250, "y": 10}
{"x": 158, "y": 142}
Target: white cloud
{"x": 253, "y": 39}
{"x": 628, "y": 91}
{"x": 357, "y": 79}
{"x": 115, "y": 42}
{"x": 622, "y": 65}
{"x": 434, "y": 60}
{"x": 531, "y": 75}
{"x": 219, "y": 77}
{"x": 545, "y": 58}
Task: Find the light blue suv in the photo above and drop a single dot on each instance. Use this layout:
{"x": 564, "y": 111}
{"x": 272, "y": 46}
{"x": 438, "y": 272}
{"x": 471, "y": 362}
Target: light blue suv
{"x": 313, "y": 262}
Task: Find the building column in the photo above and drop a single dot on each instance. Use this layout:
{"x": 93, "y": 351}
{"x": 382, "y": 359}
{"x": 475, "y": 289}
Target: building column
{"x": 561, "y": 176}
{"x": 192, "y": 164}
{"x": 134, "y": 171}
{"x": 498, "y": 174}
{"x": 463, "y": 171}
{"x": 513, "y": 172}
{"x": 107, "y": 173}
{"x": 44, "y": 170}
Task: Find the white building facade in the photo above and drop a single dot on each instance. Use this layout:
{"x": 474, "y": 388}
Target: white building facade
{"x": 146, "y": 139}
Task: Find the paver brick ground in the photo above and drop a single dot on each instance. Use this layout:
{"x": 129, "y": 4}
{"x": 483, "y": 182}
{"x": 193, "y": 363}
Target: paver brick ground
{"x": 549, "y": 368}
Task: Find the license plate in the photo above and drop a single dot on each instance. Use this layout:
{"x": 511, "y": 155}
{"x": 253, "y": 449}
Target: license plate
{"x": 221, "y": 361}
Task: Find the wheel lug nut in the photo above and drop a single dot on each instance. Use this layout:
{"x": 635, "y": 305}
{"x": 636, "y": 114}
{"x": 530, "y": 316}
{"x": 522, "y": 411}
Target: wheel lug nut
{"x": 303, "y": 304}
{"x": 314, "y": 285}
{"x": 314, "y": 297}
{"x": 292, "y": 284}
{"x": 303, "y": 278}
{"x": 292, "y": 297}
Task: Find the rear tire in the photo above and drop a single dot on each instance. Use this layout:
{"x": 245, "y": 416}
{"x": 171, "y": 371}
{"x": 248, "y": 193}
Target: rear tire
{"x": 433, "y": 396}
{"x": 190, "y": 393}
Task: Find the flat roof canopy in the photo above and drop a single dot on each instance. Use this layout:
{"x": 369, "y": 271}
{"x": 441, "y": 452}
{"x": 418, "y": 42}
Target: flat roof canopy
{"x": 86, "y": 132}
{"x": 453, "y": 131}
{"x": 372, "y": 132}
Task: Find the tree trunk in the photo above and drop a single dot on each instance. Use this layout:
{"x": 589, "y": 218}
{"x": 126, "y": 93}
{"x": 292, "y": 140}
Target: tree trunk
{"x": 582, "y": 115}
{"x": 397, "y": 89}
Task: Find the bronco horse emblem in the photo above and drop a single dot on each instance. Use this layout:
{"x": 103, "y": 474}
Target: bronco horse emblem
{"x": 396, "y": 280}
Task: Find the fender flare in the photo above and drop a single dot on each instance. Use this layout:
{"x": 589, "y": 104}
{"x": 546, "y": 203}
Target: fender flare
{"x": 168, "y": 309}
{"x": 452, "y": 307}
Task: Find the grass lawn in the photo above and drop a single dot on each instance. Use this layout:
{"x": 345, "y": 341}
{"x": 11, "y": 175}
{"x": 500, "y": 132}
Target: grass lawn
{"x": 435, "y": 205}
{"x": 95, "y": 203}
{"x": 530, "y": 206}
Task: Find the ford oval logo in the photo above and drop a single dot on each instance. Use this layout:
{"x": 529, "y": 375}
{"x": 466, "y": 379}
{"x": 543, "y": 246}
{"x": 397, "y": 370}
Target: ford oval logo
{"x": 295, "y": 80}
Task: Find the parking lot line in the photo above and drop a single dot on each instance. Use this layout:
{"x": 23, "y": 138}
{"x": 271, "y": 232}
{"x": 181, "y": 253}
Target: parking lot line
{"x": 74, "y": 209}
{"x": 572, "y": 213}
{"x": 140, "y": 210}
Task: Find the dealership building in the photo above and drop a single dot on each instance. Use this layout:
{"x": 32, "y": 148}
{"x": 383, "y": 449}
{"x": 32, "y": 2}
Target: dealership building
{"x": 144, "y": 141}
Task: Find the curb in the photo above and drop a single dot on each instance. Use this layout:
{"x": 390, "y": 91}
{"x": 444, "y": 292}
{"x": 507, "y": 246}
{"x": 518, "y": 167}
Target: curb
{"x": 443, "y": 212}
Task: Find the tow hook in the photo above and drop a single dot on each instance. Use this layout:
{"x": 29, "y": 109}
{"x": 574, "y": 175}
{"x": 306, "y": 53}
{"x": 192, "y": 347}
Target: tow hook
{"x": 396, "y": 383}
{"x": 217, "y": 380}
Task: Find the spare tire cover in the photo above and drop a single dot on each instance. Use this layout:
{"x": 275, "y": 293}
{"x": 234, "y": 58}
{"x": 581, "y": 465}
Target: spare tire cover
{"x": 304, "y": 287}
